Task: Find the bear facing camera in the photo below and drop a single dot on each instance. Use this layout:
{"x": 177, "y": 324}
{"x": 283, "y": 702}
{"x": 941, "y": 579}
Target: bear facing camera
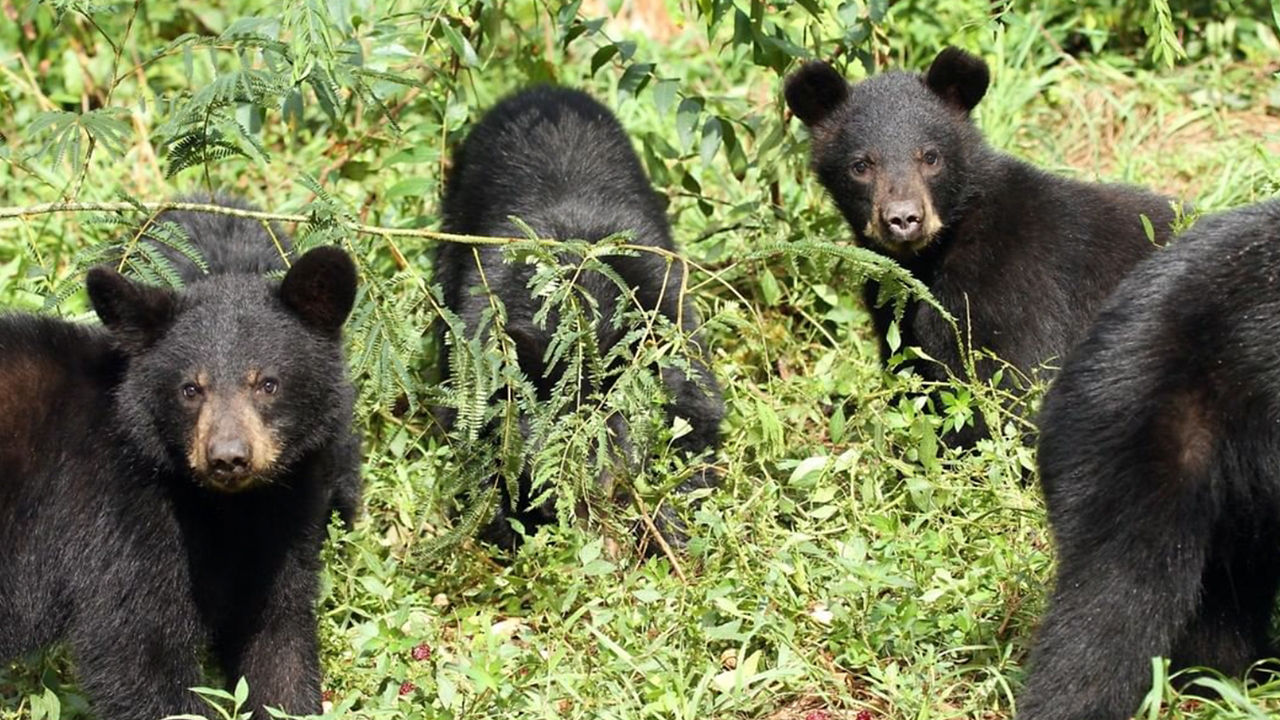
{"x": 166, "y": 480}
{"x": 1021, "y": 258}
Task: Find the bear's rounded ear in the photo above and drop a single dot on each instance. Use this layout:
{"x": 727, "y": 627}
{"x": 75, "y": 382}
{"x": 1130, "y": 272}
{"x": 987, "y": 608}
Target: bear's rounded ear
{"x": 959, "y": 78}
{"x": 136, "y": 314}
{"x": 814, "y": 91}
{"x": 320, "y": 288}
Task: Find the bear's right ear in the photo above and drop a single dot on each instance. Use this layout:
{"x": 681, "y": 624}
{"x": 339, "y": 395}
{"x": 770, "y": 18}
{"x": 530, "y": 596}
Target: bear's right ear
{"x": 321, "y": 288}
{"x": 135, "y": 314}
{"x": 814, "y": 91}
{"x": 958, "y": 78}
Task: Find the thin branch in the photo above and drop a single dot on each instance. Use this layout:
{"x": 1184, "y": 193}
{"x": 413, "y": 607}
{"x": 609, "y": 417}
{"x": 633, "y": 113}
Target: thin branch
{"x": 158, "y": 207}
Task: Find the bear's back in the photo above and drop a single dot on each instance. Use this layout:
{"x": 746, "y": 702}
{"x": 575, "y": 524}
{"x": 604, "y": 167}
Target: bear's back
{"x": 56, "y": 379}
{"x": 228, "y": 244}
{"x": 560, "y": 161}
{"x": 57, "y": 460}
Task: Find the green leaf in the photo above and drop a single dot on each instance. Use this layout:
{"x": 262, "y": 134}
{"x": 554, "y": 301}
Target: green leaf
{"x": 241, "y": 692}
{"x": 711, "y": 135}
{"x": 808, "y": 471}
{"x": 770, "y": 292}
{"x": 634, "y": 78}
{"x": 647, "y": 595}
{"x": 46, "y": 706}
{"x": 835, "y": 425}
{"x": 687, "y": 119}
{"x": 664, "y": 94}
{"x": 602, "y": 56}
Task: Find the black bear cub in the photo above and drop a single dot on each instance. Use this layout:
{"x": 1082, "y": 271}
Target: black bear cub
{"x": 233, "y": 245}
{"x": 559, "y": 161}
{"x": 166, "y": 481}
{"x": 1160, "y": 462}
{"x": 1021, "y": 258}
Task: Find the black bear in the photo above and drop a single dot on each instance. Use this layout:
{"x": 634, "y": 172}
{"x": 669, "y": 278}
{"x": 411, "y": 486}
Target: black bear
{"x": 230, "y": 244}
{"x": 165, "y": 482}
{"x": 560, "y": 162}
{"x": 1160, "y": 463}
{"x": 1021, "y": 258}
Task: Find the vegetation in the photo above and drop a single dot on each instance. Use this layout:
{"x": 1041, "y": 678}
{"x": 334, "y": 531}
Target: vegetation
{"x": 850, "y": 566}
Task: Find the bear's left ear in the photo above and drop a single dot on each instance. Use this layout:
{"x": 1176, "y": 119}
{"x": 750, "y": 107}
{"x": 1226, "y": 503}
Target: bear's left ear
{"x": 321, "y": 288}
{"x": 814, "y": 91}
{"x": 958, "y": 78}
{"x": 136, "y": 314}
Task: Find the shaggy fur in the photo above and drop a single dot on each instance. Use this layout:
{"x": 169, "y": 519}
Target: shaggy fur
{"x": 121, "y": 539}
{"x": 231, "y": 245}
{"x": 559, "y": 161}
{"x": 1021, "y": 258}
{"x": 1160, "y": 461}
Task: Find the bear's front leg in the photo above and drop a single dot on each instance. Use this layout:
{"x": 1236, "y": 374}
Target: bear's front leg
{"x": 278, "y": 653}
{"x": 340, "y": 463}
{"x": 138, "y": 663}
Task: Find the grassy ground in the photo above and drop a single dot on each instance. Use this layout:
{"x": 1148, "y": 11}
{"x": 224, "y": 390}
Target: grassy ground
{"x": 848, "y": 567}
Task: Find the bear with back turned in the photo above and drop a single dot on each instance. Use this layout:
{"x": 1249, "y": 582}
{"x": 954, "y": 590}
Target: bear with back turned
{"x": 1160, "y": 463}
{"x": 166, "y": 481}
{"x": 1021, "y": 258}
{"x": 560, "y": 162}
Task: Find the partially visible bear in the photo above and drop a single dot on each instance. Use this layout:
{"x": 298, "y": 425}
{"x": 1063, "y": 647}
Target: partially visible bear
{"x": 1021, "y": 258}
{"x": 559, "y": 161}
{"x": 165, "y": 482}
{"x": 1160, "y": 462}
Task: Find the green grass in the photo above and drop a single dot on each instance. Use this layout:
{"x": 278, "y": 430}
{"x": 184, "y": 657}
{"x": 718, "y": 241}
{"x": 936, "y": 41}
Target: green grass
{"x": 848, "y": 564}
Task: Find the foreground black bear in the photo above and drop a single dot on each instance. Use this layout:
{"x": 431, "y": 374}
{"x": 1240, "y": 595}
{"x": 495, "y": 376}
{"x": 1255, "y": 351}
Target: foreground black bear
{"x": 234, "y": 245}
{"x": 560, "y": 162}
{"x": 1021, "y": 258}
{"x": 1160, "y": 461}
{"x": 165, "y": 483}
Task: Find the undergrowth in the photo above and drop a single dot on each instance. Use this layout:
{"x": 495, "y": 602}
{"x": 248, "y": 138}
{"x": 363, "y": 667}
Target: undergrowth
{"x": 850, "y": 565}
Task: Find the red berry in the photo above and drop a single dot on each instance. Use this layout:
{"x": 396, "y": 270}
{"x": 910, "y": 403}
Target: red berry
{"x": 326, "y": 696}
{"x": 864, "y": 715}
{"x": 817, "y": 715}
{"x": 407, "y": 687}
{"x": 421, "y": 652}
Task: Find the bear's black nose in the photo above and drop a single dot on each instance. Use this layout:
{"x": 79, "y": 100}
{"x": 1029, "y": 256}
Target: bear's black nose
{"x": 228, "y": 455}
{"x": 903, "y": 218}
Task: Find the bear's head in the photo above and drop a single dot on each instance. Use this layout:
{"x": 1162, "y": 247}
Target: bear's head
{"x": 895, "y": 151}
{"x": 236, "y": 377}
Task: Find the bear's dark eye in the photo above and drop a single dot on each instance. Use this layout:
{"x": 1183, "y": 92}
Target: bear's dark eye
{"x": 931, "y": 157}
{"x": 191, "y": 391}
{"x": 269, "y": 386}
{"x": 860, "y": 166}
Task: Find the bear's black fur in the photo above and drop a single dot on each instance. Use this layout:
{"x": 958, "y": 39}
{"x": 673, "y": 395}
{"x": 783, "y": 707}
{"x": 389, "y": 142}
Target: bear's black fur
{"x": 1021, "y": 258}
{"x": 559, "y": 161}
{"x": 235, "y": 245}
{"x": 1160, "y": 462}
{"x": 165, "y": 482}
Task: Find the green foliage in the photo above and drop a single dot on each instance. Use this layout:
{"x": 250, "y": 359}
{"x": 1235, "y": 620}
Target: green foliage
{"x": 850, "y": 562}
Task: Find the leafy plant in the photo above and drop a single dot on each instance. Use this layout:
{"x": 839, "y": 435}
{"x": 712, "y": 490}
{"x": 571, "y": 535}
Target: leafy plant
{"x": 851, "y": 564}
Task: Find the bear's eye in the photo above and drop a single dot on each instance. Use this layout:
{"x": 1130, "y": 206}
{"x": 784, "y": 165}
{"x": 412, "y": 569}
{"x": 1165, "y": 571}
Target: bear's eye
{"x": 191, "y": 391}
{"x": 931, "y": 157}
{"x": 269, "y": 386}
{"x": 860, "y": 166}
